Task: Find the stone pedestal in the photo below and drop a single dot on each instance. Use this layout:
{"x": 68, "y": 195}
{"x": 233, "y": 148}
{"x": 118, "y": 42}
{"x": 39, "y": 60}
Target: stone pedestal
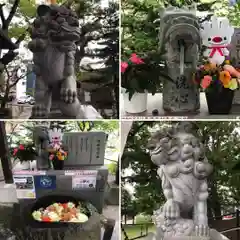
{"x": 214, "y": 235}
{"x": 187, "y": 238}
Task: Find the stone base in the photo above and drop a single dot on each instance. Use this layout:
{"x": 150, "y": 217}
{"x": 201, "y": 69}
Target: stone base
{"x": 214, "y": 235}
{"x": 187, "y": 238}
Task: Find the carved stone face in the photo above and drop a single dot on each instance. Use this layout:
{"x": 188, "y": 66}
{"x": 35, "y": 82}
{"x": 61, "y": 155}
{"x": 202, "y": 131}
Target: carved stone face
{"x": 179, "y": 150}
{"x": 179, "y": 27}
{"x": 163, "y": 147}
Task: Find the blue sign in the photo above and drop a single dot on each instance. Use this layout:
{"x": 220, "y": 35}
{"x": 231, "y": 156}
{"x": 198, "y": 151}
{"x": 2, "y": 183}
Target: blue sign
{"x": 45, "y": 182}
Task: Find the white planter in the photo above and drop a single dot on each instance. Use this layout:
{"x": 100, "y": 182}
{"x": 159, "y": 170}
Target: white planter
{"x": 137, "y": 104}
{"x": 22, "y": 166}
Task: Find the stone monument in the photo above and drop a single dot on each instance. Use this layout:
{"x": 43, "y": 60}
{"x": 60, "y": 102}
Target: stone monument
{"x": 179, "y": 43}
{"x": 235, "y": 58}
{"x": 183, "y": 169}
{"x": 54, "y": 33}
{"x": 83, "y": 178}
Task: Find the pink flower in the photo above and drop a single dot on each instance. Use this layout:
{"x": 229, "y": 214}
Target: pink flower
{"x": 206, "y": 81}
{"x": 231, "y": 70}
{"x": 124, "y": 66}
{"x": 135, "y": 59}
{"x": 15, "y": 151}
{"x": 51, "y": 157}
{"x": 21, "y": 147}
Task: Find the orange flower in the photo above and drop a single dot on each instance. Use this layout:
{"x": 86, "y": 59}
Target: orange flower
{"x": 225, "y": 78}
{"x": 210, "y": 66}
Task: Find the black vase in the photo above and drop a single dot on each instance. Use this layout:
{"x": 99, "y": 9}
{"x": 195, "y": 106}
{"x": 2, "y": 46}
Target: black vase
{"x": 57, "y": 164}
{"x": 219, "y": 102}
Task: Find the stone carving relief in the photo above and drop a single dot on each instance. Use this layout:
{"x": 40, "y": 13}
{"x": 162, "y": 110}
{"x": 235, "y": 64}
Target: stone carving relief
{"x": 179, "y": 42}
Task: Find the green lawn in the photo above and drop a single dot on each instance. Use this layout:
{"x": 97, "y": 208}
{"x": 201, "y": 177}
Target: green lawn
{"x": 135, "y": 230}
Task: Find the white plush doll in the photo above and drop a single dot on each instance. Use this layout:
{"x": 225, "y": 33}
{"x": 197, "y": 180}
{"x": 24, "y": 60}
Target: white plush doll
{"x": 216, "y": 36}
{"x": 55, "y": 137}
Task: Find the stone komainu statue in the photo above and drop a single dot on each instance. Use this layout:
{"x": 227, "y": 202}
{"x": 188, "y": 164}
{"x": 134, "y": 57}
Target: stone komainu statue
{"x": 54, "y": 33}
{"x": 183, "y": 169}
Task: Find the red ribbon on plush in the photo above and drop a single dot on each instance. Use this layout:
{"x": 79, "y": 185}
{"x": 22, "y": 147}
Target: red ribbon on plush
{"x": 216, "y": 49}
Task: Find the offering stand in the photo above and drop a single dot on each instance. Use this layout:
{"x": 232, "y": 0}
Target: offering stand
{"x": 83, "y": 179}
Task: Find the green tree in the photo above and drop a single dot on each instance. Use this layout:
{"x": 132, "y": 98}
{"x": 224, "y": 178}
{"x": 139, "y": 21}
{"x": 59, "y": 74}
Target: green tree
{"x": 90, "y": 16}
{"x": 140, "y": 30}
{"x": 108, "y": 52}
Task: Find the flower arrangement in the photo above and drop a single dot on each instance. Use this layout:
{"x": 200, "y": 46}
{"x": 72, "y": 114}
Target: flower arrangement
{"x": 211, "y": 76}
{"x": 139, "y": 75}
{"x": 60, "y": 154}
{"x": 24, "y": 152}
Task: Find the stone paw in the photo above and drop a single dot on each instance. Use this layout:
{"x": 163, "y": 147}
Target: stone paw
{"x": 202, "y": 231}
{"x": 39, "y": 111}
{"x": 171, "y": 210}
{"x": 68, "y": 95}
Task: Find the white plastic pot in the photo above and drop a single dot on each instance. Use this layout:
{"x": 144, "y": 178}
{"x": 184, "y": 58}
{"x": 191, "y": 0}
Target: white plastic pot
{"x": 22, "y": 165}
{"x": 137, "y": 104}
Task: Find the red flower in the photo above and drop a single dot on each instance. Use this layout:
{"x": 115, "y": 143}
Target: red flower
{"x": 135, "y": 59}
{"x": 21, "y": 147}
{"x": 46, "y": 219}
{"x": 15, "y": 151}
{"x": 124, "y": 66}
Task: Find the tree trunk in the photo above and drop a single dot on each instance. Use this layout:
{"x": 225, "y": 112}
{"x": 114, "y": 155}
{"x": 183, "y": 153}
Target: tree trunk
{"x": 116, "y": 93}
{"x": 4, "y": 155}
{"x": 215, "y": 201}
{"x": 117, "y": 174}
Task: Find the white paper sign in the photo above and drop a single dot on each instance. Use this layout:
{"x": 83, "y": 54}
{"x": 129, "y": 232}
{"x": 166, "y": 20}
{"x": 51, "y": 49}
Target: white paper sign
{"x": 84, "y": 179}
{"x": 24, "y": 186}
{"x": 23, "y": 194}
{"x": 81, "y": 172}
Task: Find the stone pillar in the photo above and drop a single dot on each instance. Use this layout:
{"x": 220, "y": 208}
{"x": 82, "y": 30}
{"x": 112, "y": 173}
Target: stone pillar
{"x": 179, "y": 43}
{"x": 235, "y": 58}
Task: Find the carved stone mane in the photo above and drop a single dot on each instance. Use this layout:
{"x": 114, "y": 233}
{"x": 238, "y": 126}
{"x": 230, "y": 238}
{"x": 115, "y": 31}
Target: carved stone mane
{"x": 55, "y": 26}
{"x": 177, "y": 146}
